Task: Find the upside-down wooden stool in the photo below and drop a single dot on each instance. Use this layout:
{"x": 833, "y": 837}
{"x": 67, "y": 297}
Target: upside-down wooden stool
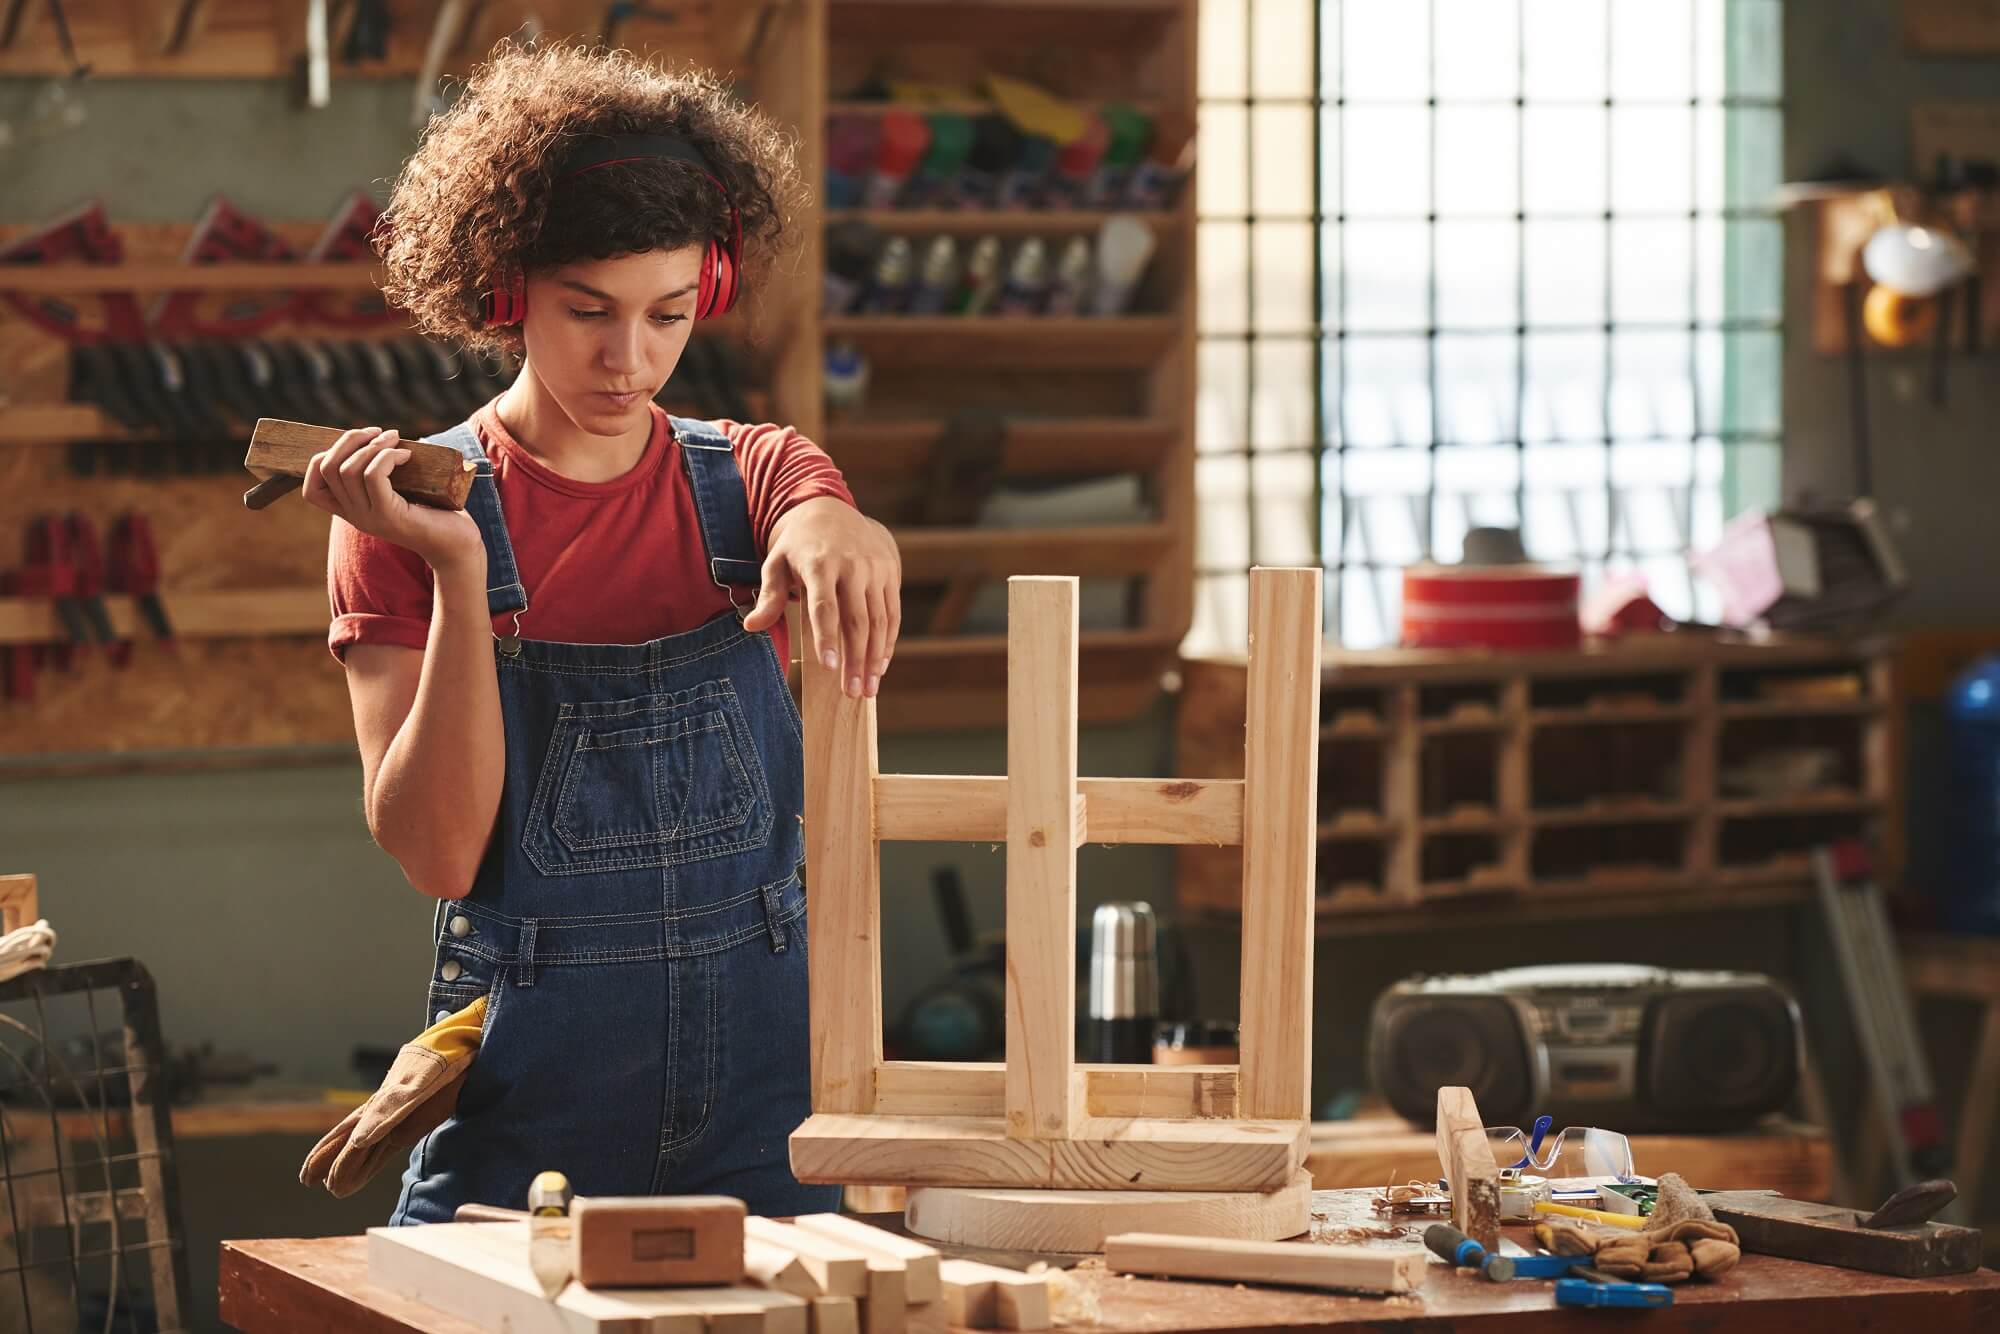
{"x": 1041, "y": 1151}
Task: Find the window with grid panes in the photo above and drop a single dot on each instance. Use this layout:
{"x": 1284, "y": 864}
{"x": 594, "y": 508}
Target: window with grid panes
{"x": 1469, "y": 263}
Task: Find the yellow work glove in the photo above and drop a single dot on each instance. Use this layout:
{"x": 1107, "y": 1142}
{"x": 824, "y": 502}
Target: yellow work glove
{"x": 420, "y": 1091}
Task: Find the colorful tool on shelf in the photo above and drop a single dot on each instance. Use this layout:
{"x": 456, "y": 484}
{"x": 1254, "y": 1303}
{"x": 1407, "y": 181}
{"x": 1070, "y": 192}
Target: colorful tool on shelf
{"x": 85, "y": 236}
{"x": 905, "y": 136}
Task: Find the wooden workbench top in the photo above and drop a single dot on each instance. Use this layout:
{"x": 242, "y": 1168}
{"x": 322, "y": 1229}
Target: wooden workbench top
{"x": 292, "y": 1287}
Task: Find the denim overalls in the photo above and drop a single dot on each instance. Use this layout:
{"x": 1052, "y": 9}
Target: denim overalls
{"x": 638, "y": 923}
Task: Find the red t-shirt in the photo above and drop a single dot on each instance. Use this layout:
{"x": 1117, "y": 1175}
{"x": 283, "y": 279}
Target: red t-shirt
{"x": 617, "y": 562}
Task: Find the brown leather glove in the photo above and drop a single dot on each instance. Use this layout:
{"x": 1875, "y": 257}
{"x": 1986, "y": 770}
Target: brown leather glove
{"x": 420, "y": 1091}
{"x": 1693, "y": 1248}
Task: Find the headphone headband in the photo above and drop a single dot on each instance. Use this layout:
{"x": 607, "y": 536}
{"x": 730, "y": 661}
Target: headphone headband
{"x": 596, "y": 151}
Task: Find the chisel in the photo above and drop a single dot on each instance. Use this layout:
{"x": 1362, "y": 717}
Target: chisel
{"x": 550, "y": 1254}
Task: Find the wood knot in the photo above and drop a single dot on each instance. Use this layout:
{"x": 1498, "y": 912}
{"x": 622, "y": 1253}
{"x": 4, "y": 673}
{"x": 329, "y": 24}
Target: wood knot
{"x": 1179, "y": 791}
{"x": 1037, "y": 839}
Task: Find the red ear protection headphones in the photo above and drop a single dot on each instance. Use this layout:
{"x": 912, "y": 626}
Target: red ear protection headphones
{"x": 719, "y": 258}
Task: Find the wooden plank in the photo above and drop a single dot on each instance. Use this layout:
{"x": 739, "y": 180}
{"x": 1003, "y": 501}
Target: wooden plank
{"x": 1166, "y": 1092}
{"x": 931, "y": 554}
{"x": 235, "y": 613}
{"x": 983, "y": 1296}
{"x": 1469, "y": 1167}
{"x": 973, "y": 809}
{"x": 1096, "y": 342}
{"x": 1078, "y": 1221}
{"x": 971, "y": 1088}
{"x": 843, "y": 888}
{"x": 920, "y": 1262}
{"x": 1059, "y": 447}
{"x": 1280, "y": 807}
{"x": 435, "y": 475}
{"x": 1042, "y": 1100}
{"x": 479, "y": 1271}
{"x": 840, "y": 1271}
{"x": 1102, "y": 1154}
{"x": 1296, "y": 1264}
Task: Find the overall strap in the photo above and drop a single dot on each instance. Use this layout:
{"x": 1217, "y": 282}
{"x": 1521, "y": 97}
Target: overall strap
{"x": 504, "y": 592}
{"x": 722, "y": 507}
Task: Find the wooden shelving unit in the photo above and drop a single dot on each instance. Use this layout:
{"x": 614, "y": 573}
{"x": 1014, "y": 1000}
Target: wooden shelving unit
{"x": 1468, "y": 789}
{"x": 1082, "y": 397}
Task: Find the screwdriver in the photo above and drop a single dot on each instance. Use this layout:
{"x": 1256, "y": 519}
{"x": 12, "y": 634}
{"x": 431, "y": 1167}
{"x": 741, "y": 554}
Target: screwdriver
{"x": 1454, "y": 1247}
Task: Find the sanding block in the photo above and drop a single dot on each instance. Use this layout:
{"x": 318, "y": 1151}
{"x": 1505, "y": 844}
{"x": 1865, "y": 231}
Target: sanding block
{"x": 434, "y": 475}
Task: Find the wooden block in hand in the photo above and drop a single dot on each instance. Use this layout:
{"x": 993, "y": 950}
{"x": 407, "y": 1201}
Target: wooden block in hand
{"x": 983, "y": 1296}
{"x": 920, "y": 1262}
{"x": 435, "y": 475}
{"x": 840, "y": 1270}
{"x": 1291, "y": 1263}
{"x": 664, "y": 1241}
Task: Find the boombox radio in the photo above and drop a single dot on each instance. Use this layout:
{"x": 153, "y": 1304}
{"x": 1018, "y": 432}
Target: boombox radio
{"x": 1625, "y": 1047}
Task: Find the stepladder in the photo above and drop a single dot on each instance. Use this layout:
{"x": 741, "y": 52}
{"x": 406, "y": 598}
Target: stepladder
{"x": 1041, "y": 1119}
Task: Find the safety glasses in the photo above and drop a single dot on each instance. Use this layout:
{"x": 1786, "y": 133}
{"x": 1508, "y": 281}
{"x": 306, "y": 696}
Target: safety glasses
{"x": 1574, "y": 1151}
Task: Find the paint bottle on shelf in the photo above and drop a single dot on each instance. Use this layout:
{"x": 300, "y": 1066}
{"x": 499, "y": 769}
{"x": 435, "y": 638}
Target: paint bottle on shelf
{"x": 1074, "y": 272}
{"x": 850, "y": 152}
{"x": 980, "y": 287}
{"x": 1027, "y": 279}
{"x": 1124, "y": 245}
{"x": 995, "y": 146}
{"x": 951, "y": 140}
{"x": 850, "y": 253}
{"x": 889, "y": 287}
{"x": 905, "y": 136}
{"x": 938, "y": 281}
{"x": 845, "y": 378}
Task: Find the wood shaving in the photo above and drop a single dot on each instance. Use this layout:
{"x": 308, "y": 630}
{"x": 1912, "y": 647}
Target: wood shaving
{"x": 1073, "y": 1295}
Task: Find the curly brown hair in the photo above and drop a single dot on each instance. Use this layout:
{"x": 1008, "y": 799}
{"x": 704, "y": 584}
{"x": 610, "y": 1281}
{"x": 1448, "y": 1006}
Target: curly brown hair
{"x": 472, "y": 205}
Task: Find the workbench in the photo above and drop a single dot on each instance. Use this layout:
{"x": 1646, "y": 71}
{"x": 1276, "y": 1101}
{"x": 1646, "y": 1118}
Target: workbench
{"x": 292, "y": 1287}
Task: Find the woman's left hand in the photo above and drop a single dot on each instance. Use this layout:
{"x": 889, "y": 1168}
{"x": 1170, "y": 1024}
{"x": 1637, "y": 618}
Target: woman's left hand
{"x": 846, "y": 568}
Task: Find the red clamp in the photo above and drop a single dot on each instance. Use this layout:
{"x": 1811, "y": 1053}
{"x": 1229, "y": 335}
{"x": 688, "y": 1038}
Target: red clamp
{"x": 135, "y": 572}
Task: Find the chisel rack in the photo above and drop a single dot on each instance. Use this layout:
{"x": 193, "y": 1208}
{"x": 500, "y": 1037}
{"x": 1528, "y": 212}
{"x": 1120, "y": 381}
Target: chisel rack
{"x": 1041, "y": 1119}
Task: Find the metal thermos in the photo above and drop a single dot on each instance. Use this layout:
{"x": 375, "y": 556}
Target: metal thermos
{"x": 1124, "y": 984}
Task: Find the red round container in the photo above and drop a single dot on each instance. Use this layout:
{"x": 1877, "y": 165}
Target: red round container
{"x": 1490, "y": 606}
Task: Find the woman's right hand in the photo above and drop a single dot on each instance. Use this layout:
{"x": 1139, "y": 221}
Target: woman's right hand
{"x": 351, "y": 480}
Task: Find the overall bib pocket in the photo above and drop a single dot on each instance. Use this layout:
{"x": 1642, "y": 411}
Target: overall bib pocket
{"x": 657, "y": 780}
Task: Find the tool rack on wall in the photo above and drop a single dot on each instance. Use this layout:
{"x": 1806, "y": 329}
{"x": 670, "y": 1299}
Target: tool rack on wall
{"x": 247, "y": 675}
{"x": 1646, "y": 776}
{"x": 1081, "y": 397}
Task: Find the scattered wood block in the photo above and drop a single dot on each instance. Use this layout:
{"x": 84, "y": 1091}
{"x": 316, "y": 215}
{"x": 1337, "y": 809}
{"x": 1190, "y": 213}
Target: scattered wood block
{"x": 920, "y": 1262}
{"x": 774, "y": 1267}
{"x": 836, "y": 1315}
{"x": 658, "y": 1241}
{"x": 840, "y": 1270}
{"x": 1469, "y": 1167}
{"x": 1292, "y": 1263}
{"x": 984, "y": 1296}
{"x": 886, "y": 1308}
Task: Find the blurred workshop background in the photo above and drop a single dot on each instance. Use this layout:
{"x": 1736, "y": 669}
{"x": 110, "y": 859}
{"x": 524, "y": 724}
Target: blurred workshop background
{"x": 1673, "y": 320}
